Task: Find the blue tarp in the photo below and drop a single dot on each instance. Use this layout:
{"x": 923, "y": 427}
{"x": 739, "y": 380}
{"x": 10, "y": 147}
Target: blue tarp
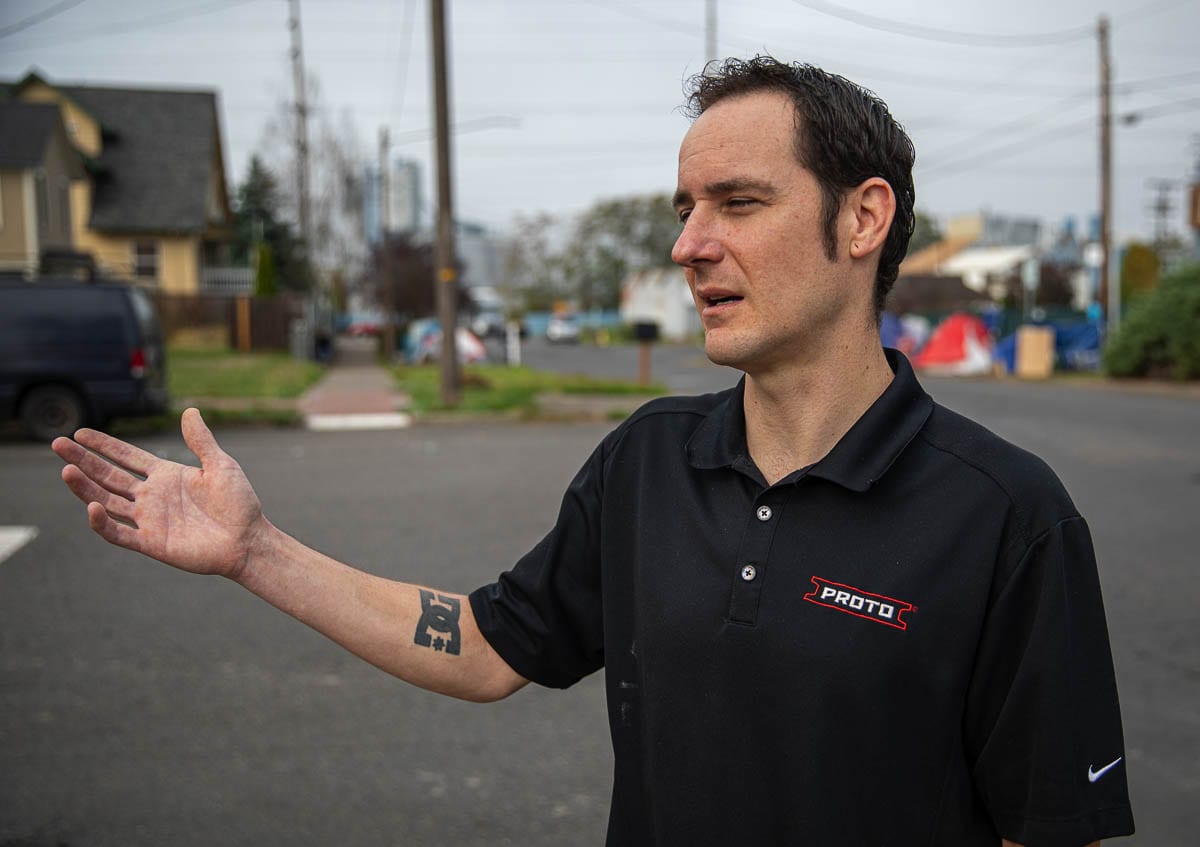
{"x": 1076, "y": 346}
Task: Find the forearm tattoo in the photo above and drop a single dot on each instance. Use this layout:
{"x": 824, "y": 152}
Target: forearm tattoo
{"x": 439, "y": 613}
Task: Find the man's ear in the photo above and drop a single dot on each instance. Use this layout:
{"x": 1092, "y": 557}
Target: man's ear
{"x": 870, "y": 209}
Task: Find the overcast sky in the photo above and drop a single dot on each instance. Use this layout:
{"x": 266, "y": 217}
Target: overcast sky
{"x": 582, "y": 96}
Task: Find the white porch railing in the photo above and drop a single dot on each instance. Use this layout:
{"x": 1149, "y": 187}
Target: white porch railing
{"x": 227, "y": 280}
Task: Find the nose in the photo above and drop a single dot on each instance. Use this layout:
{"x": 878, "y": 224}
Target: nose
{"x": 697, "y": 243}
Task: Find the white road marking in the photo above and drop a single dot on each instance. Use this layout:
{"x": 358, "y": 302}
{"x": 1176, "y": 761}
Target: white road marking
{"x": 13, "y": 538}
{"x": 382, "y": 420}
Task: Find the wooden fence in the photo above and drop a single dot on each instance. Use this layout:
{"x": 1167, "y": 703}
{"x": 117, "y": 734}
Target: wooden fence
{"x": 245, "y": 323}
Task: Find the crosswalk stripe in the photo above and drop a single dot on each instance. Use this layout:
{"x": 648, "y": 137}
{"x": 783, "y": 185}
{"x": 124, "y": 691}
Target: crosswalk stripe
{"x": 13, "y": 538}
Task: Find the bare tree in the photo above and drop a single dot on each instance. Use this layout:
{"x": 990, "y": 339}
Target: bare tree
{"x": 338, "y": 245}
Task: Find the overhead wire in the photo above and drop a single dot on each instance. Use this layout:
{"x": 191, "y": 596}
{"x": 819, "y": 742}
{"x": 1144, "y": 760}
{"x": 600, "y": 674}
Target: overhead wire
{"x": 145, "y": 22}
{"x": 38, "y": 17}
{"x": 945, "y": 36}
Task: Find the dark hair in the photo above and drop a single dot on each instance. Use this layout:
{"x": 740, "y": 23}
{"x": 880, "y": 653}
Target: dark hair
{"x": 844, "y": 136}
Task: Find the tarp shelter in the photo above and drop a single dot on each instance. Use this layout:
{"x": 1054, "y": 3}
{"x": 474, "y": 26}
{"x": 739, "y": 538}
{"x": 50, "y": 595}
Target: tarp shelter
{"x": 907, "y": 333}
{"x": 1076, "y": 347}
{"x": 960, "y": 346}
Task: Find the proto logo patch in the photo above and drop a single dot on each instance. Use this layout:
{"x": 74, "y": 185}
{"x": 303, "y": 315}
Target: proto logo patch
{"x": 861, "y": 604}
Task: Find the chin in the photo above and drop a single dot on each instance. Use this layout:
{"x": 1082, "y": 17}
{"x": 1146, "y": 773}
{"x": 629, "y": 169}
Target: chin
{"x": 726, "y": 354}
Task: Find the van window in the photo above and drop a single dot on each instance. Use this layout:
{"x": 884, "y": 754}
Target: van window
{"x": 147, "y": 321}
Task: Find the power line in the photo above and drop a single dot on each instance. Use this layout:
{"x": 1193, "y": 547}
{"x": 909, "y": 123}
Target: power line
{"x": 38, "y": 17}
{"x": 145, "y": 22}
{"x": 1008, "y": 127}
{"x": 945, "y": 36}
{"x": 406, "y": 46}
{"x": 1021, "y": 144}
{"x": 1174, "y": 107}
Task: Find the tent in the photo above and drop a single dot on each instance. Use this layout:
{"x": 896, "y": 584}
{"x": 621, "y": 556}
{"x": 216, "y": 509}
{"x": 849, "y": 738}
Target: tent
{"x": 959, "y": 346}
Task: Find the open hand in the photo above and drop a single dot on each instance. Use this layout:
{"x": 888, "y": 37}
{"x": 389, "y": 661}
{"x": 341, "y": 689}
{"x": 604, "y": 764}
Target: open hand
{"x": 202, "y": 520}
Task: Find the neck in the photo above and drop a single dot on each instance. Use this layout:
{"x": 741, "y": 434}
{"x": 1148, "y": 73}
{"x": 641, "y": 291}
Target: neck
{"x": 795, "y": 415}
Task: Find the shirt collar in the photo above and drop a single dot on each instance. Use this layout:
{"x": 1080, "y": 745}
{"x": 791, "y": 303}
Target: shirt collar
{"x": 857, "y": 461}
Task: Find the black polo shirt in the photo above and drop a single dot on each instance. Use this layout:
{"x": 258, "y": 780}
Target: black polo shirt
{"x": 901, "y": 644}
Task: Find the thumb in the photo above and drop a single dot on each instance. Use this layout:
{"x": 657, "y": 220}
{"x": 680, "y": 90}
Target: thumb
{"x": 199, "y": 437}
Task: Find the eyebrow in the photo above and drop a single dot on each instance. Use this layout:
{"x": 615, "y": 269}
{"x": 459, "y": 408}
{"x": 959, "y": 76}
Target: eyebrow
{"x": 725, "y": 187}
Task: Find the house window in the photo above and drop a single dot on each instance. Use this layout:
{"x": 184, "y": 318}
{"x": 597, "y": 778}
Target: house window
{"x": 145, "y": 259}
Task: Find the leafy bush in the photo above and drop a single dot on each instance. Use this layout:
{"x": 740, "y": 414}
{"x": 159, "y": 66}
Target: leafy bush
{"x": 1160, "y": 336}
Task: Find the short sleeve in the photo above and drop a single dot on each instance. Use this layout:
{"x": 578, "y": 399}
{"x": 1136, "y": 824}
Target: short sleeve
{"x": 545, "y": 616}
{"x": 1042, "y": 726}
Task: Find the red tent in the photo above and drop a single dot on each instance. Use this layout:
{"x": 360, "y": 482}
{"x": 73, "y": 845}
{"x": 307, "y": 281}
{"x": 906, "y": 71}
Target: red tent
{"x": 960, "y": 346}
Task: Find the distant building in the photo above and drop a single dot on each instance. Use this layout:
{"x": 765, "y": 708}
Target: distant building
{"x": 404, "y": 196}
{"x": 661, "y": 296}
{"x": 402, "y": 192}
{"x": 372, "y": 205}
{"x": 975, "y": 258}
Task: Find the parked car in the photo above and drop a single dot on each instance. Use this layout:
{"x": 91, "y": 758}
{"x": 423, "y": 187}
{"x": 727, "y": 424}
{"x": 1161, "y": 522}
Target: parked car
{"x": 488, "y": 323}
{"x": 563, "y": 327}
{"x": 77, "y": 354}
{"x": 423, "y": 344}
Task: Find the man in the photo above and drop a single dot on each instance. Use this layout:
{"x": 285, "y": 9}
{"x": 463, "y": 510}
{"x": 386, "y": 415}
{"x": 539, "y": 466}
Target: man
{"x": 829, "y": 611}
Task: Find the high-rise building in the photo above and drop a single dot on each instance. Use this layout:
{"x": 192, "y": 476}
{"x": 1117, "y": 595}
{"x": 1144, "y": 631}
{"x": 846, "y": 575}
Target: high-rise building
{"x": 404, "y": 196}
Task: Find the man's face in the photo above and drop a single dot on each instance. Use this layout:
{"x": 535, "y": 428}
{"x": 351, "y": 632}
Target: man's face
{"x": 751, "y": 245}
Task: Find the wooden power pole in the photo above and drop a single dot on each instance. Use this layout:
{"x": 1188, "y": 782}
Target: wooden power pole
{"x": 1109, "y": 295}
{"x": 447, "y": 274}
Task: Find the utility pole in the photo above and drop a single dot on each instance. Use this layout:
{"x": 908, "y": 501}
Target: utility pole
{"x": 710, "y": 31}
{"x": 1109, "y": 295}
{"x": 1161, "y": 208}
{"x": 447, "y": 274}
{"x": 301, "y": 122}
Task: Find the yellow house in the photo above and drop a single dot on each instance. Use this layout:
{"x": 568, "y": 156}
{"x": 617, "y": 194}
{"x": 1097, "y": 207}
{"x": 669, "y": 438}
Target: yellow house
{"x": 152, "y": 206}
{"x": 38, "y": 165}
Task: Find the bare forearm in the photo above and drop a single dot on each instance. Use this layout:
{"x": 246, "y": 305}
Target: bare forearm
{"x": 423, "y": 636}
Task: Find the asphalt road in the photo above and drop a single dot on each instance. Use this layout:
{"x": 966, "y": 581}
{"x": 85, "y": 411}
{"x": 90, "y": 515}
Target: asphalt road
{"x": 142, "y": 706}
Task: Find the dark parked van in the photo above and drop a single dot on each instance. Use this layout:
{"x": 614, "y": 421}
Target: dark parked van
{"x": 77, "y": 354}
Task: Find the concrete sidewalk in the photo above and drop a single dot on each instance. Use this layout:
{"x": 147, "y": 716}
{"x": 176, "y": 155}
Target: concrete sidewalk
{"x": 356, "y": 392}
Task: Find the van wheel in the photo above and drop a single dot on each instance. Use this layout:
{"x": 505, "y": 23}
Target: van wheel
{"x": 52, "y": 410}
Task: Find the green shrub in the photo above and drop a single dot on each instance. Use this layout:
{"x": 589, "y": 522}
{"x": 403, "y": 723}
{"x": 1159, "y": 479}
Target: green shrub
{"x": 1160, "y": 335}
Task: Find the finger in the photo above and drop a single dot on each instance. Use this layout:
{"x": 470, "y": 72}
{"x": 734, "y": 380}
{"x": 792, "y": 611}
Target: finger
{"x": 110, "y": 530}
{"x": 199, "y": 437}
{"x": 90, "y": 492}
{"x": 117, "y": 451}
{"x": 106, "y": 475}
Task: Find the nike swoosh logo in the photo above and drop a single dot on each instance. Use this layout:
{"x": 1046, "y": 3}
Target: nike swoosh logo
{"x": 1095, "y": 775}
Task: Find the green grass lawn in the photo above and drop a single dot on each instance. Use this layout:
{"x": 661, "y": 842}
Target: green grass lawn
{"x": 496, "y": 388}
{"x": 220, "y": 373}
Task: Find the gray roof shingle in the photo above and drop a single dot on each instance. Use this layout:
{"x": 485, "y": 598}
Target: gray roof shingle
{"x": 157, "y": 155}
{"x": 25, "y": 130}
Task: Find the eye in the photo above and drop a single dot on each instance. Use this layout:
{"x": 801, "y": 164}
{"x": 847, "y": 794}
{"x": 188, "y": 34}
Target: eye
{"x": 684, "y": 214}
{"x": 740, "y": 202}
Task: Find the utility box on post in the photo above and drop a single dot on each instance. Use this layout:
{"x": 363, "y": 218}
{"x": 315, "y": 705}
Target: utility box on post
{"x": 646, "y": 333}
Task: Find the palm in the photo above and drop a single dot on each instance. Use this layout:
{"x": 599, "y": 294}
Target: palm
{"x": 197, "y": 520}
{"x": 201, "y": 520}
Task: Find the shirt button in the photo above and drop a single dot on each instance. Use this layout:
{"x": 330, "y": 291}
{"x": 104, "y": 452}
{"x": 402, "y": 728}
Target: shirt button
{"x": 749, "y": 572}
{"x": 764, "y": 513}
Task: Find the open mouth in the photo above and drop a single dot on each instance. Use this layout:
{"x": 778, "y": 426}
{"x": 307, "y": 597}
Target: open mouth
{"x": 717, "y": 301}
